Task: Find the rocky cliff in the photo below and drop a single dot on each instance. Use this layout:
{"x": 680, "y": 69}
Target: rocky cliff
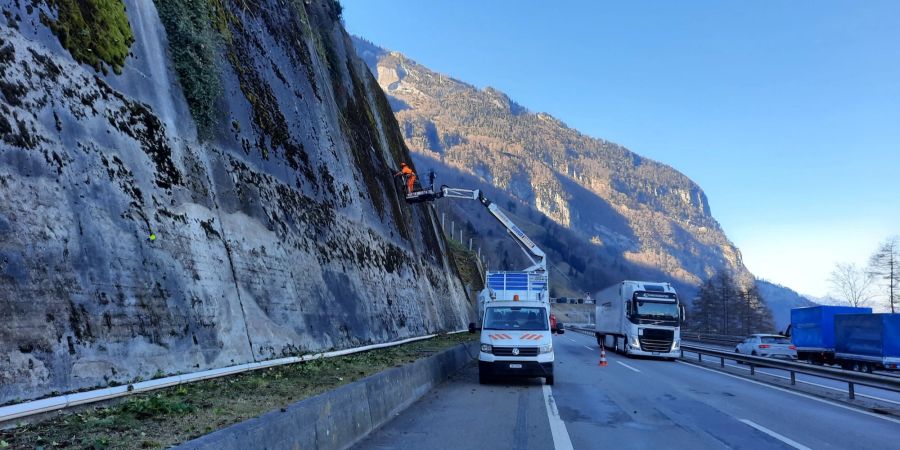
{"x": 641, "y": 214}
{"x": 189, "y": 184}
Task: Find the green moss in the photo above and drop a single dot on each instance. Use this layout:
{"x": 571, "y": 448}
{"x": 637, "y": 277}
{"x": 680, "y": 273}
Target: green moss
{"x": 95, "y": 32}
{"x": 193, "y": 45}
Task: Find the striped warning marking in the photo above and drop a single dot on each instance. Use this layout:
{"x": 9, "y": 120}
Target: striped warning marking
{"x": 500, "y": 337}
{"x": 530, "y": 337}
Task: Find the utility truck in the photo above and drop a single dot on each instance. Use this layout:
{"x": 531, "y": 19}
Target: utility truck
{"x": 646, "y": 315}
{"x": 513, "y": 308}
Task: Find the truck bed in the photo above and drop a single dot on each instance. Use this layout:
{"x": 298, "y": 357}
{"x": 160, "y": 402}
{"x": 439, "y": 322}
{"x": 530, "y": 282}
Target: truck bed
{"x": 871, "y": 336}
{"x": 812, "y": 328}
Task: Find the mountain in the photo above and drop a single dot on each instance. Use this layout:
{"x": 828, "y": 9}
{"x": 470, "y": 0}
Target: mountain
{"x": 781, "y": 300}
{"x": 191, "y": 185}
{"x": 612, "y": 213}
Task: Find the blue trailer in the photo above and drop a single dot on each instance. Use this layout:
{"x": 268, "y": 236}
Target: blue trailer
{"x": 865, "y": 342}
{"x": 812, "y": 331}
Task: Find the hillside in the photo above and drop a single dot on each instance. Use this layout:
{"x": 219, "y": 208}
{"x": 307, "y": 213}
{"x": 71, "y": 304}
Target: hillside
{"x": 192, "y": 185}
{"x": 611, "y": 213}
{"x": 781, "y": 300}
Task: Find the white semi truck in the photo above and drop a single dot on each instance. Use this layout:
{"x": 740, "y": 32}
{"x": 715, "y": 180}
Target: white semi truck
{"x": 646, "y": 315}
{"x": 513, "y": 308}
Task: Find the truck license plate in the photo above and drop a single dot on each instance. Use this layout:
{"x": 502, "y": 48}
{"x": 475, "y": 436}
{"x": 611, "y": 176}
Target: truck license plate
{"x": 515, "y": 366}
{"x": 655, "y": 353}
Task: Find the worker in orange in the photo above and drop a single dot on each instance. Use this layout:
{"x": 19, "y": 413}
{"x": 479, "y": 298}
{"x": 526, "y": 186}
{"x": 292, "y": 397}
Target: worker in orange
{"x": 409, "y": 174}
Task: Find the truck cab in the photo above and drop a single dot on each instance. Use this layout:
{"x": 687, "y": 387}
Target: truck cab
{"x": 646, "y": 315}
{"x": 516, "y": 335}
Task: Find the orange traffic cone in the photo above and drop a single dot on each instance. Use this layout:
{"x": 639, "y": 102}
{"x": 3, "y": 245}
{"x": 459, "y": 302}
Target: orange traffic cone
{"x": 602, "y": 357}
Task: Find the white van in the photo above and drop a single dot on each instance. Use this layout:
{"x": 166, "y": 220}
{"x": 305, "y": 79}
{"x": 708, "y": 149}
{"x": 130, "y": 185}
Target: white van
{"x": 516, "y": 341}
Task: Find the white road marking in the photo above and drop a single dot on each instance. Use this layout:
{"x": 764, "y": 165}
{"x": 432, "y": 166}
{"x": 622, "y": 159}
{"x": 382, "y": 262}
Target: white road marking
{"x": 626, "y": 365}
{"x": 775, "y": 435}
{"x": 816, "y": 384}
{"x": 589, "y": 348}
{"x": 561, "y": 439}
{"x": 800, "y": 394}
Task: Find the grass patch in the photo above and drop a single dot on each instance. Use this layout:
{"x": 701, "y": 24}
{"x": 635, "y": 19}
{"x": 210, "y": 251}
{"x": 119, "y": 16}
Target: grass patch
{"x": 169, "y": 416}
{"x": 466, "y": 264}
{"x": 95, "y": 32}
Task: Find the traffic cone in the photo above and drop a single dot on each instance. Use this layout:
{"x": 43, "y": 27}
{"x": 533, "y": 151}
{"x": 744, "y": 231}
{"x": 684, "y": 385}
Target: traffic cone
{"x": 602, "y": 357}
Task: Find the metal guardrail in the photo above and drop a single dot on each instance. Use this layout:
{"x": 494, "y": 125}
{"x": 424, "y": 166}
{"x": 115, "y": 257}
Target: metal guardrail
{"x": 844, "y": 376}
{"x": 852, "y": 379}
{"x": 711, "y": 338}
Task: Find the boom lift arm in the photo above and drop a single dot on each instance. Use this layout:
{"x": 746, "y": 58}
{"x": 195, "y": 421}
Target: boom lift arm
{"x": 532, "y": 251}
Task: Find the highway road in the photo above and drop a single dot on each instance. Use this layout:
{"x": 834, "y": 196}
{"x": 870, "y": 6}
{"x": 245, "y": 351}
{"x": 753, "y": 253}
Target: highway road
{"x": 631, "y": 403}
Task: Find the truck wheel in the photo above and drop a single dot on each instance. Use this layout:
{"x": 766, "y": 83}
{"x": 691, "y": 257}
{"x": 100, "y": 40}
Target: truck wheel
{"x": 600, "y": 339}
{"x": 869, "y": 368}
{"x": 548, "y": 380}
{"x": 483, "y": 378}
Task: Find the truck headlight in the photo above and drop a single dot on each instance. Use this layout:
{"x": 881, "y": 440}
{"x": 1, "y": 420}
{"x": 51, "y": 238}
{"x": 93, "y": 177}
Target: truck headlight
{"x": 547, "y": 348}
{"x": 635, "y": 342}
{"x": 676, "y": 345}
{"x": 487, "y": 348}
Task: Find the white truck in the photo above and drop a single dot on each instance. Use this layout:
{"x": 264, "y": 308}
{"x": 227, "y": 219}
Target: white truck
{"x": 516, "y": 335}
{"x": 646, "y": 315}
{"x": 513, "y": 308}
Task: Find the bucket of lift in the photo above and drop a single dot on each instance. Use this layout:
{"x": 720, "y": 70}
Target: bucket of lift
{"x": 423, "y": 194}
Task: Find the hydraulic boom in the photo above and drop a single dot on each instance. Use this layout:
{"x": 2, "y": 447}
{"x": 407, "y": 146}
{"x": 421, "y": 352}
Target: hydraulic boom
{"x": 532, "y": 251}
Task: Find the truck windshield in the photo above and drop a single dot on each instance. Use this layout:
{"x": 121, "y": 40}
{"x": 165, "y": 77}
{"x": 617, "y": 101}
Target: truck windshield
{"x": 516, "y": 318}
{"x": 656, "y": 310}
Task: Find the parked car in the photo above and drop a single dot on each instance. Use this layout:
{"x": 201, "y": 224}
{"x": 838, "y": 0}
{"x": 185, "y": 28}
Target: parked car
{"x": 767, "y": 345}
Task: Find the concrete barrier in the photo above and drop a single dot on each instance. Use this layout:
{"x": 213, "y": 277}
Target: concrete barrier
{"x": 340, "y": 418}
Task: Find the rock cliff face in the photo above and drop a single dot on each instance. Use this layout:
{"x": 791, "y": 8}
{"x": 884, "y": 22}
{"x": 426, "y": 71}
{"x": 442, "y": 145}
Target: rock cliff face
{"x": 189, "y": 184}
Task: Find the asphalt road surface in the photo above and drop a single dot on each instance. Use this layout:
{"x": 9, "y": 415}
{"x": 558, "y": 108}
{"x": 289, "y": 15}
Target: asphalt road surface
{"x": 629, "y": 404}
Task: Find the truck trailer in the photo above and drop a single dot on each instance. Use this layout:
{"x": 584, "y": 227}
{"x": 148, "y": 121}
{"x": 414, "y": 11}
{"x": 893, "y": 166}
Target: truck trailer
{"x": 867, "y": 342}
{"x": 812, "y": 331}
{"x": 646, "y": 315}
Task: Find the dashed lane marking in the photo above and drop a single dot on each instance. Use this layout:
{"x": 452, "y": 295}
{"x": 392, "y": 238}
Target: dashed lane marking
{"x": 775, "y": 435}
{"x": 626, "y": 365}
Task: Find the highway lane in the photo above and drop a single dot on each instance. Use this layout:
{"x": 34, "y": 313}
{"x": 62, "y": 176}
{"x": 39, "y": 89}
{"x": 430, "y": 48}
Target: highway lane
{"x": 631, "y": 403}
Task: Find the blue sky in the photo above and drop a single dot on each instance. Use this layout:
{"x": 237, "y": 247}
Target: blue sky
{"x": 786, "y": 113}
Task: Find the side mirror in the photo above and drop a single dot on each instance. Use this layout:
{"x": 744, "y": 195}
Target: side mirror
{"x": 472, "y": 327}
{"x": 683, "y": 313}
{"x": 560, "y": 328}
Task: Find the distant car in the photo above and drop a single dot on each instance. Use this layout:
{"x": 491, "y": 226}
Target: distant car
{"x": 767, "y": 345}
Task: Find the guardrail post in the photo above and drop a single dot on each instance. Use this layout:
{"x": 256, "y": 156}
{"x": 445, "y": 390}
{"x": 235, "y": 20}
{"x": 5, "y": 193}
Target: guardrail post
{"x": 851, "y": 391}
{"x": 793, "y": 377}
{"x": 752, "y": 369}
{"x": 699, "y": 357}
{"x": 722, "y": 362}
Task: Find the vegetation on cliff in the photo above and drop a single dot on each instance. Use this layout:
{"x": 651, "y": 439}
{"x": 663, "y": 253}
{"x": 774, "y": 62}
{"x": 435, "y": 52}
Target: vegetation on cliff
{"x": 193, "y": 46}
{"x": 95, "y": 32}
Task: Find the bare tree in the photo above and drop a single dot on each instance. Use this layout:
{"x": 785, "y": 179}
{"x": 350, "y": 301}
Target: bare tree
{"x": 852, "y": 283}
{"x": 885, "y": 265}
